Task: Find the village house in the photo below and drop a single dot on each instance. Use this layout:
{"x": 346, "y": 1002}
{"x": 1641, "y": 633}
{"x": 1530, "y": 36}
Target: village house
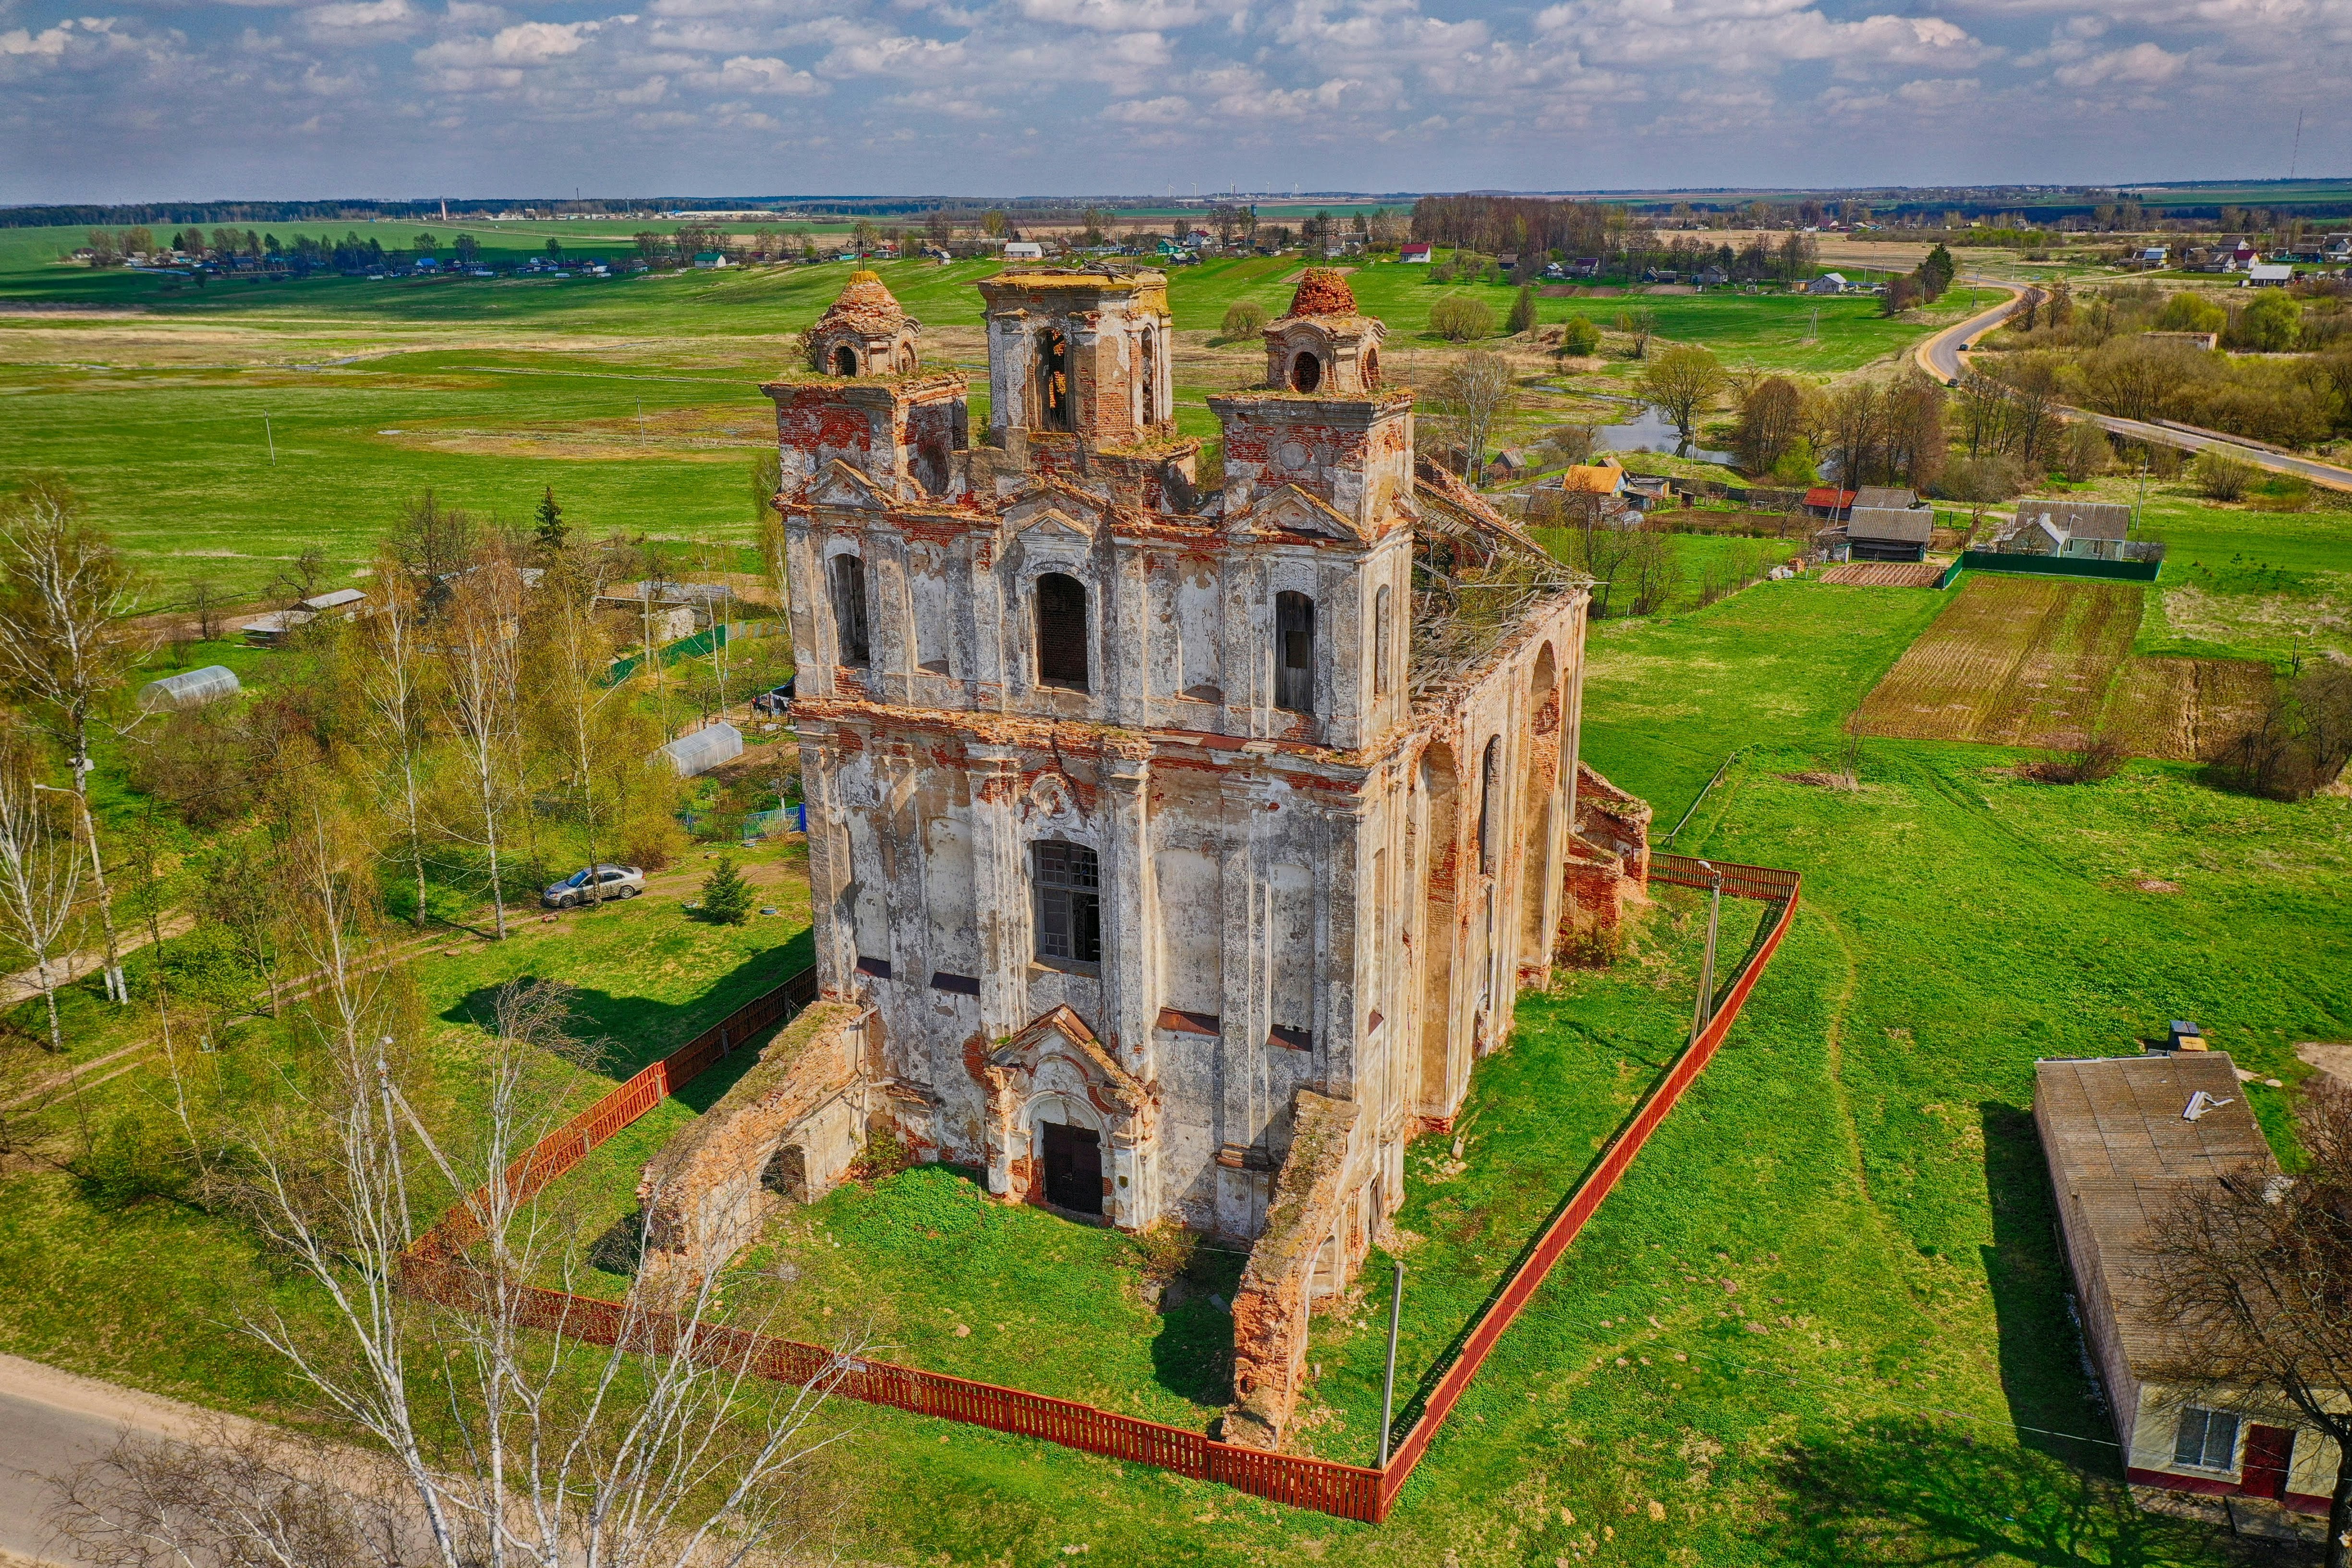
{"x": 2126, "y": 1139}
{"x": 1414, "y": 250}
{"x": 2082, "y": 529}
{"x": 1175, "y": 849}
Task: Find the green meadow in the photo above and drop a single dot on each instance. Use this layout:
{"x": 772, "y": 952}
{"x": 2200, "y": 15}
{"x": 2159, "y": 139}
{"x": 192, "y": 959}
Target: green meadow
{"x": 221, "y": 431}
{"x": 1822, "y": 1321}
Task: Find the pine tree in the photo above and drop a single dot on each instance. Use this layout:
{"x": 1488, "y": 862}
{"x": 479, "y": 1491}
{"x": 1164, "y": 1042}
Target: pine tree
{"x": 726, "y": 895}
{"x": 1523, "y": 311}
{"x": 553, "y": 530}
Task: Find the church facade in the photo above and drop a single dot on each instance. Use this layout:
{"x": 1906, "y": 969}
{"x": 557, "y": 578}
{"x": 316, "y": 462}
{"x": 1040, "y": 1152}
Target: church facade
{"x": 1179, "y": 837}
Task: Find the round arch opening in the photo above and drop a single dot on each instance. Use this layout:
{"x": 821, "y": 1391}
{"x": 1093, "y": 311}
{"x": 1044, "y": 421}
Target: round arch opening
{"x": 1306, "y": 372}
{"x": 845, "y": 361}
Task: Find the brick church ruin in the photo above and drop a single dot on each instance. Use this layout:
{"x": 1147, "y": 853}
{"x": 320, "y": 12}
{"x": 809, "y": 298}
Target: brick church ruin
{"x": 1179, "y": 837}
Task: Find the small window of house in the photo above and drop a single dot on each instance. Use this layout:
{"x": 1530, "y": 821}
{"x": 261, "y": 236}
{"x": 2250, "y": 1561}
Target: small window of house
{"x": 1294, "y": 652}
{"x": 849, "y": 608}
{"x": 1070, "y": 903}
{"x": 2207, "y": 1440}
{"x": 1490, "y": 782}
{"x": 1062, "y": 631}
{"x": 1381, "y": 636}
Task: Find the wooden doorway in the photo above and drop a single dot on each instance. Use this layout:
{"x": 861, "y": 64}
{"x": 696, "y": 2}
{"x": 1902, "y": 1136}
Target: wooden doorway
{"x": 2270, "y": 1453}
{"x": 1073, "y": 1168}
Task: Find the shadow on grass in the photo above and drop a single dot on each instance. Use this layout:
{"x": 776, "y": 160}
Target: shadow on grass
{"x": 1907, "y": 1490}
{"x": 1192, "y": 1353}
{"x": 630, "y": 1032}
{"x": 2042, "y": 1371}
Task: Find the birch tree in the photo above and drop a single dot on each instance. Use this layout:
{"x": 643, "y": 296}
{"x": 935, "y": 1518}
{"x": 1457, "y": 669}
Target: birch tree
{"x": 480, "y": 636}
{"x": 40, "y": 879}
{"x": 398, "y": 687}
{"x": 531, "y": 1429}
{"x": 66, "y": 646}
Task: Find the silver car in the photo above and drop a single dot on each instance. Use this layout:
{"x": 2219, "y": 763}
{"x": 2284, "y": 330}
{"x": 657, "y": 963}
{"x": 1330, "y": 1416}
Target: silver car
{"x": 595, "y": 884}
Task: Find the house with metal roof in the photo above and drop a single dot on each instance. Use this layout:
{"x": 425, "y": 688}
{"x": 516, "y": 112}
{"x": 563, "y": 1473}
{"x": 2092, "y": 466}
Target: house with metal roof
{"x": 2128, "y": 1139}
{"x": 2082, "y": 529}
{"x": 1888, "y": 532}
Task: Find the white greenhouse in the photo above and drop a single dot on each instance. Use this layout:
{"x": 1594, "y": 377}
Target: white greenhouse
{"x": 190, "y": 689}
{"x": 704, "y": 750}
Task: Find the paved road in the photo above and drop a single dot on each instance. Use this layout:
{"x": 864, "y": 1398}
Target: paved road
{"x": 51, "y": 1421}
{"x": 1942, "y": 357}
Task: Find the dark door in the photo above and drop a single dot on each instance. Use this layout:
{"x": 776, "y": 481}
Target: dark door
{"x": 1073, "y": 1168}
{"x": 2269, "y": 1452}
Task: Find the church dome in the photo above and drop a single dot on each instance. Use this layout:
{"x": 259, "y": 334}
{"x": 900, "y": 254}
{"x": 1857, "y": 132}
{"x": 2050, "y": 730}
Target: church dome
{"x": 865, "y": 304}
{"x": 1323, "y": 291}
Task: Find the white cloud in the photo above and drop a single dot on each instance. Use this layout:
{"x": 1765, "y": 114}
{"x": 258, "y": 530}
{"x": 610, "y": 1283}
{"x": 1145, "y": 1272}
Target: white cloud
{"x": 764, "y": 75}
{"x": 1169, "y": 110}
{"x": 2142, "y": 64}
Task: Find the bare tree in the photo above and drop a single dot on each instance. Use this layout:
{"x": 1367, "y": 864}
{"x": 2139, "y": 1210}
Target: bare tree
{"x": 2256, "y": 1272}
{"x": 1680, "y": 382}
{"x": 40, "y": 879}
{"x": 549, "y": 1431}
{"x": 1641, "y": 324}
{"x": 397, "y": 685}
{"x": 246, "y": 1497}
{"x": 481, "y": 637}
{"x": 66, "y": 646}
{"x": 204, "y": 601}
{"x": 1474, "y": 392}
{"x": 566, "y": 671}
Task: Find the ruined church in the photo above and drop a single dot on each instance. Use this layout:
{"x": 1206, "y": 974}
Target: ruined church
{"x": 1180, "y": 834}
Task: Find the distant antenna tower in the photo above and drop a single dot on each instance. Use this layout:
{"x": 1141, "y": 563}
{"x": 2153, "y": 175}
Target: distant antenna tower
{"x": 2296, "y": 156}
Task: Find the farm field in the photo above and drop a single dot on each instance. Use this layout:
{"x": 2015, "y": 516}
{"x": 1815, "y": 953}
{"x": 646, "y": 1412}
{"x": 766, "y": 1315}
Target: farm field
{"x": 2047, "y": 661}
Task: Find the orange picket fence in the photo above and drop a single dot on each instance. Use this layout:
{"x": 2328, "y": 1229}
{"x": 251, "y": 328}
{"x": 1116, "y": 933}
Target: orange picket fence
{"x": 1349, "y": 1491}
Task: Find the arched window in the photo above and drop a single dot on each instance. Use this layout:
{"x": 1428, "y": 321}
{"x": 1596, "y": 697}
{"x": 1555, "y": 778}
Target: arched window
{"x": 1053, "y": 380}
{"x": 1061, "y": 631}
{"x": 786, "y": 1173}
{"x": 1382, "y": 637}
{"x": 1490, "y": 784}
{"x": 845, "y": 361}
{"x": 1294, "y": 652}
{"x": 1371, "y": 367}
{"x": 1306, "y": 372}
{"x": 1069, "y": 902}
{"x": 1148, "y": 410}
{"x": 849, "y": 609}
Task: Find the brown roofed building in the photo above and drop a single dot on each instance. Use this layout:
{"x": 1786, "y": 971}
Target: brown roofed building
{"x": 2127, "y": 1138}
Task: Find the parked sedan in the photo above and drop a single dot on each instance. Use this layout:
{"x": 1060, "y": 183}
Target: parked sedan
{"x": 775, "y": 699}
{"x": 595, "y": 884}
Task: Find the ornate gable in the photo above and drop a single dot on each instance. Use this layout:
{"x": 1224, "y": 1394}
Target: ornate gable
{"x": 1292, "y": 510}
{"x": 1059, "y": 1045}
{"x": 844, "y": 486}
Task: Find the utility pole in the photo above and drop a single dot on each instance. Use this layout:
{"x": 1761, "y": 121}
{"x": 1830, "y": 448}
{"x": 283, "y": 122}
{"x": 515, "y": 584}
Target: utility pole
{"x": 1388, "y": 1379}
{"x": 1703, "y": 1012}
{"x": 270, "y": 436}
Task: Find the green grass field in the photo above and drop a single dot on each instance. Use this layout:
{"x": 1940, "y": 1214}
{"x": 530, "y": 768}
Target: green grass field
{"x": 1830, "y": 1278}
{"x": 220, "y": 432}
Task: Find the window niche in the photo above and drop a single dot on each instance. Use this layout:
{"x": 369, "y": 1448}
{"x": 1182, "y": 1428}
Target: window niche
{"x": 1294, "y": 652}
{"x": 1061, "y": 632}
{"x": 848, "y": 576}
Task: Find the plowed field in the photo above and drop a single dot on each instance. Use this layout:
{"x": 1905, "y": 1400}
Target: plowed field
{"x": 2041, "y": 661}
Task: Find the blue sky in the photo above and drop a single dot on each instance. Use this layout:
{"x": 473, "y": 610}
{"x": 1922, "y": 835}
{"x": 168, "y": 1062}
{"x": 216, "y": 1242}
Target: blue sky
{"x": 196, "y": 98}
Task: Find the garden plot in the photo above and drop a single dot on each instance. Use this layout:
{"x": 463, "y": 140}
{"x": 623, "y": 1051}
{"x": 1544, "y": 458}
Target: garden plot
{"x": 2041, "y": 661}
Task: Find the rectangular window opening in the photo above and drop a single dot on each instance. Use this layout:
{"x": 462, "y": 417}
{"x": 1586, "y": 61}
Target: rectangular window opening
{"x": 1070, "y": 903}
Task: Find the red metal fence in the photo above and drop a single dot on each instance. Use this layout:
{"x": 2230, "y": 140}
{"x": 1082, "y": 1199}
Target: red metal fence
{"x": 1350, "y": 1491}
